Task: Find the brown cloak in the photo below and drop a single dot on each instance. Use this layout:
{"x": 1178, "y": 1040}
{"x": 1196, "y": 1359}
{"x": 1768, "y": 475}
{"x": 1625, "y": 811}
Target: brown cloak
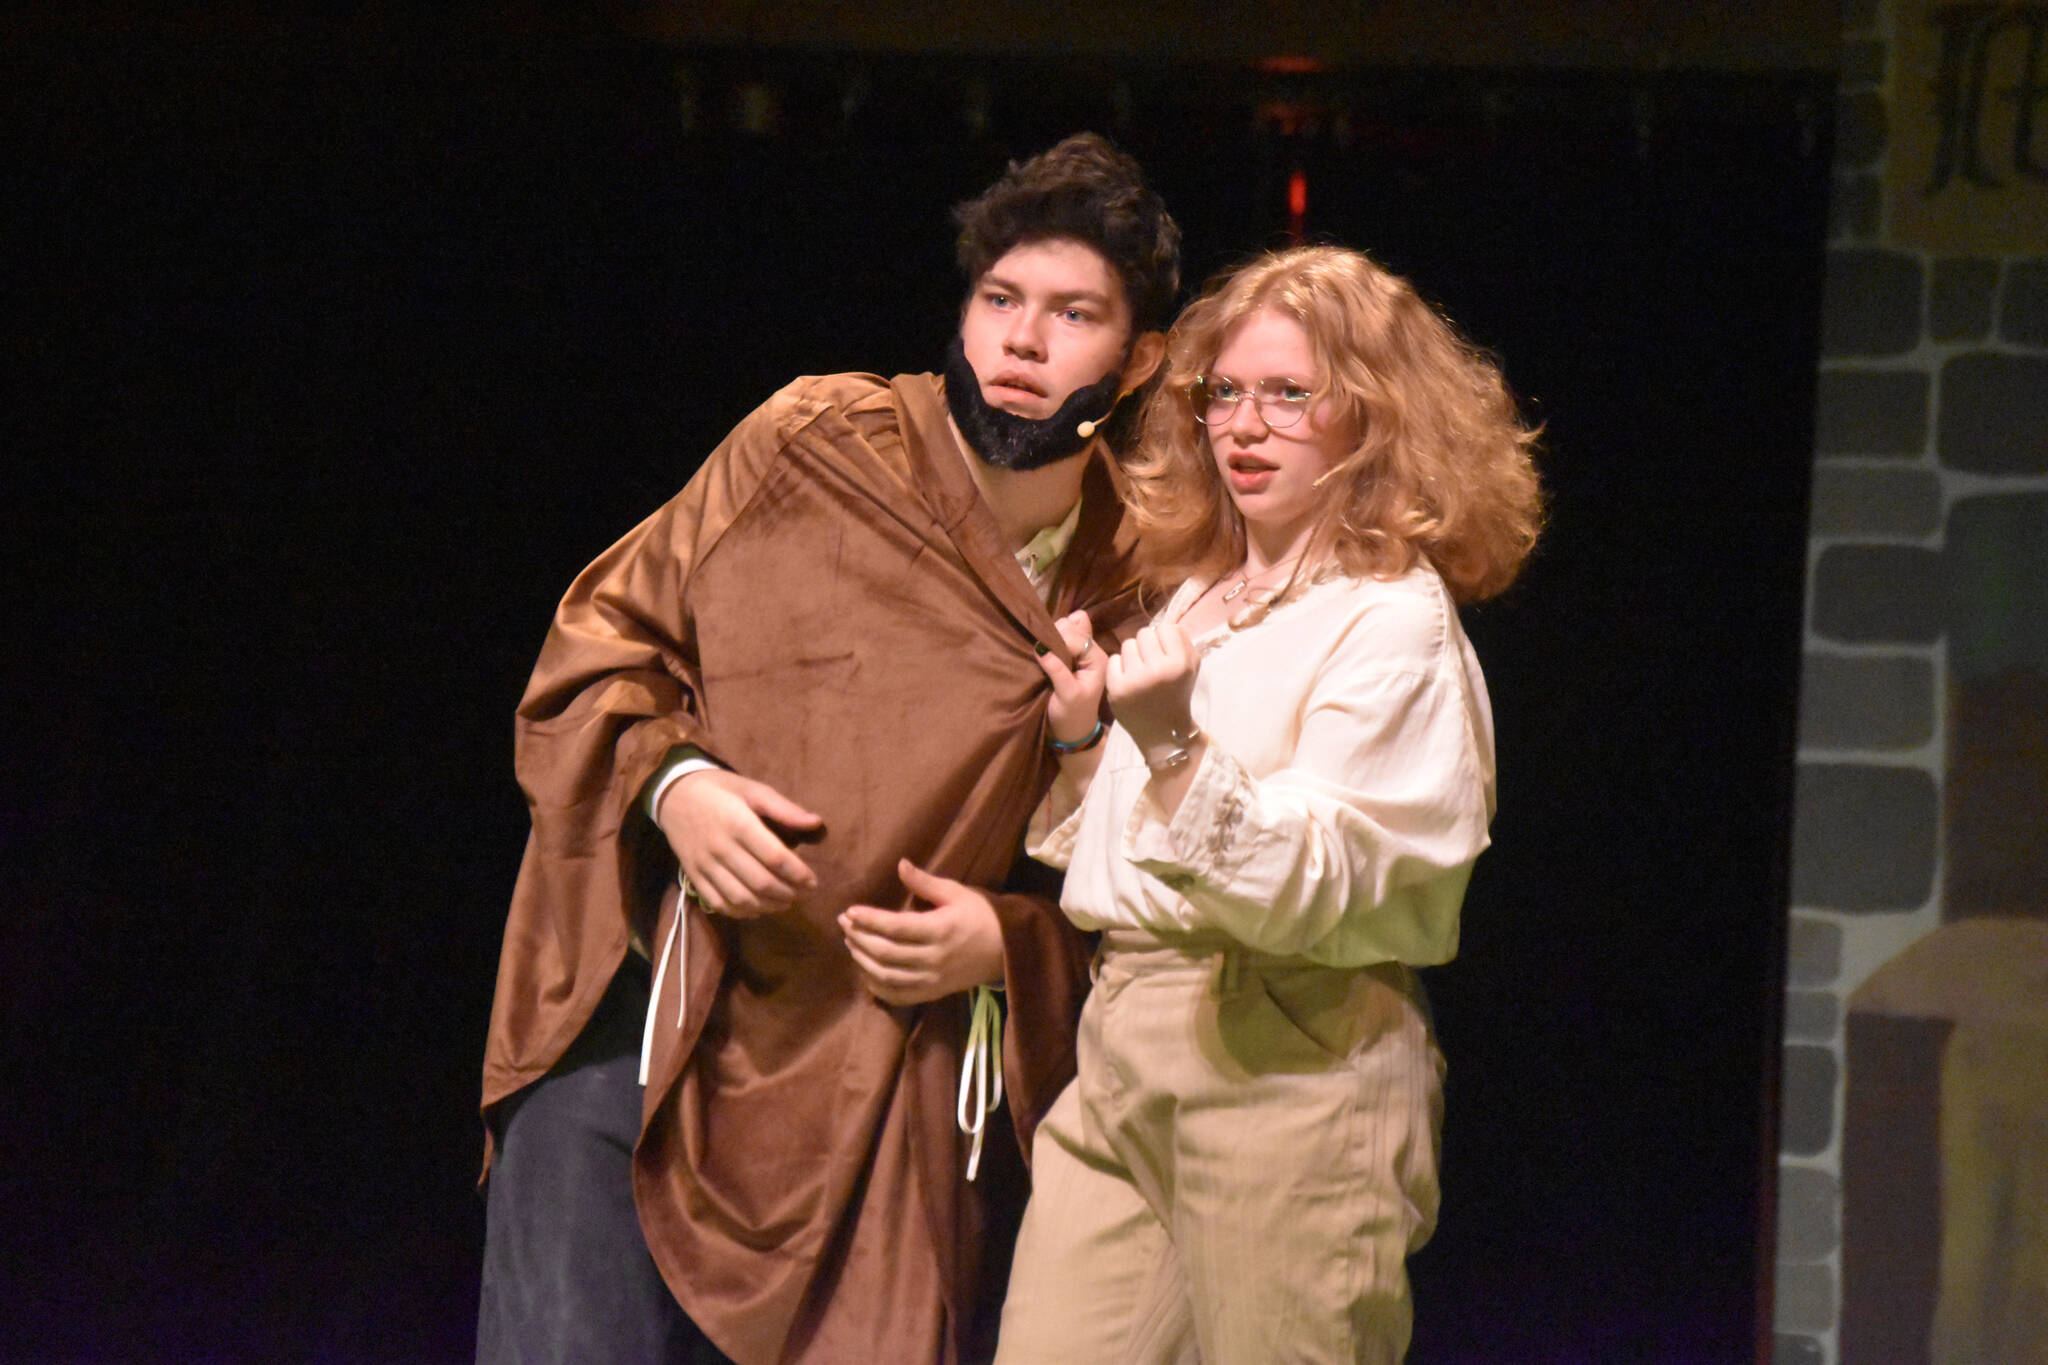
{"x": 829, "y": 607}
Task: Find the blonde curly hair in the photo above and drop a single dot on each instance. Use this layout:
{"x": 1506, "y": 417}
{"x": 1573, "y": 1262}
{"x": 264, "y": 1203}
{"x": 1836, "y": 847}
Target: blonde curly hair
{"x": 1440, "y": 462}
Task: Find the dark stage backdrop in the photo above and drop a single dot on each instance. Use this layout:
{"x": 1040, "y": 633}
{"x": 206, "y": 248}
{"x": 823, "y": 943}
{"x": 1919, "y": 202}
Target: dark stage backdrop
{"x": 338, "y": 346}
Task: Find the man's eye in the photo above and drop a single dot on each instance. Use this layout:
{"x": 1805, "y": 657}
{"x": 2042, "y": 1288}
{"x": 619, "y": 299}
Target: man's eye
{"x": 1073, "y": 315}
{"x": 997, "y": 300}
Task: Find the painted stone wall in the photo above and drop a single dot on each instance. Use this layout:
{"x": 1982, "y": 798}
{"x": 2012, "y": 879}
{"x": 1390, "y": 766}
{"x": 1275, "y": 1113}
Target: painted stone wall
{"x": 1913, "y": 1183}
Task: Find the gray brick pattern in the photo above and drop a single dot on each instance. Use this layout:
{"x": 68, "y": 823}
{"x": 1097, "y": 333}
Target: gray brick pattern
{"x": 1960, "y": 294}
{"x": 1805, "y": 1298}
{"x": 2023, "y": 317}
{"x": 1809, "y": 1213}
{"x": 1812, "y": 1016}
{"x": 1994, "y": 413}
{"x": 1872, "y": 412}
{"x": 1813, "y": 951}
{"x": 1879, "y": 702}
{"x": 1793, "y": 1350}
{"x": 1863, "y": 837}
{"x": 1995, "y": 585}
{"x": 1877, "y": 594}
{"x": 1806, "y": 1123}
{"x": 1929, "y": 570}
{"x": 1851, "y": 500}
{"x": 1870, "y": 303}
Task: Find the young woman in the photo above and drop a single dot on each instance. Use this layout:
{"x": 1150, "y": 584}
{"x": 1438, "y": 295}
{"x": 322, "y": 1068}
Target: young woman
{"x": 1278, "y": 828}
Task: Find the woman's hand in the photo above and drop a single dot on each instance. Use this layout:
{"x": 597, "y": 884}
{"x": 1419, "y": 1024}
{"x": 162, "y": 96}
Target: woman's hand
{"x": 1076, "y": 703}
{"x": 1151, "y": 683}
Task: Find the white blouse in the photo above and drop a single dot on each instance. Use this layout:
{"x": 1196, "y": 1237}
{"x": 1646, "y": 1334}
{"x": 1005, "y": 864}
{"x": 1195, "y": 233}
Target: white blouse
{"x": 1339, "y": 804}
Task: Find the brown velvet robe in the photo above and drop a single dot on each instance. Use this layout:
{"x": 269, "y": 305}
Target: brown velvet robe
{"x": 829, "y": 607}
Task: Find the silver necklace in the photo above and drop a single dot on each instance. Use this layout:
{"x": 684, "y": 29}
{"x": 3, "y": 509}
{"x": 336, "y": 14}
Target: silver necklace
{"x": 1244, "y": 580}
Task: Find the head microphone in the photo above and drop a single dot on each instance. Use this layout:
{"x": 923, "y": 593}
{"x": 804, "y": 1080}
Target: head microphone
{"x": 1091, "y": 425}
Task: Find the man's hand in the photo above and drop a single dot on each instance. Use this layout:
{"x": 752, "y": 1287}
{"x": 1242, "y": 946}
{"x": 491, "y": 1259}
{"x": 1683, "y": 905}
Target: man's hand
{"x": 907, "y": 957}
{"x": 716, "y": 822}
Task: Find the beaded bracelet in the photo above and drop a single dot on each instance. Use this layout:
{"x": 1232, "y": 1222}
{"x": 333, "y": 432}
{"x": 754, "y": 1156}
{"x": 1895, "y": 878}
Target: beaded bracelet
{"x": 1082, "y": 745}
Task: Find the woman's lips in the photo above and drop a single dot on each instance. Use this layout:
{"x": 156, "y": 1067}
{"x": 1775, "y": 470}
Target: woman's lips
{"x": 1248, "y": 474}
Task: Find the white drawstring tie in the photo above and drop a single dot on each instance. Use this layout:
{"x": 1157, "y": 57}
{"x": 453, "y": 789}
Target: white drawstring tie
{"x": 981, "y": 1071}
{"x": 679, "y": 943}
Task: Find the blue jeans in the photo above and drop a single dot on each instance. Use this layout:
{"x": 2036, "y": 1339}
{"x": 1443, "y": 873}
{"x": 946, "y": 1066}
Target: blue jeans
{"x": 567, "y": 1278}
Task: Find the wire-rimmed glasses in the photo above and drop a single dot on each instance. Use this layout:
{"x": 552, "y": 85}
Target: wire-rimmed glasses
{"x": 1280, "y": 402}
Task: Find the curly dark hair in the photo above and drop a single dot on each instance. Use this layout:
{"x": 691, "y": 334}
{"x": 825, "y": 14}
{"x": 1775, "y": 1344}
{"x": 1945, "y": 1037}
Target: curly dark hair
{"x": 1085, "y": 189}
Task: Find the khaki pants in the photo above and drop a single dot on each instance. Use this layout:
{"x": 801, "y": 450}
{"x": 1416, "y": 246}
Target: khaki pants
{"x": 1240, "y": 1170}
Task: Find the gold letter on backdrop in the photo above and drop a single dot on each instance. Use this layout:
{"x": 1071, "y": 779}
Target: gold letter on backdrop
{"x": 1968, "y": 167}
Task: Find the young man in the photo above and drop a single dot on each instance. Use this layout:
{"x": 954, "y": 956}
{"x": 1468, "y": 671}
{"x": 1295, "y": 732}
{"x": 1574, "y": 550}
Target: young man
{"x": 809, "y": 686}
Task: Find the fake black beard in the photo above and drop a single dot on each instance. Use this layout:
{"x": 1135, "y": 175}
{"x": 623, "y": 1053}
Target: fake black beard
{"x": 1008, "y": 441}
